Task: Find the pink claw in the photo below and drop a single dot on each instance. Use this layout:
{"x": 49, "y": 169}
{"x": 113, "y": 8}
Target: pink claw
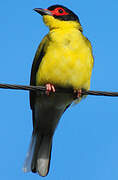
{"x": 78, "y": 92}
{"x": 49, "y": 88}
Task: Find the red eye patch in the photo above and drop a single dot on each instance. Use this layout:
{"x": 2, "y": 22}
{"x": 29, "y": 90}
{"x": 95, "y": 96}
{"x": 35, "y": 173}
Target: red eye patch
{"x": 59, "y": 12}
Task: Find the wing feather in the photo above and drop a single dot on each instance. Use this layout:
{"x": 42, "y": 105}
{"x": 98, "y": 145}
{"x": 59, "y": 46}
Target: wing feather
{"x": 35, "y": 66}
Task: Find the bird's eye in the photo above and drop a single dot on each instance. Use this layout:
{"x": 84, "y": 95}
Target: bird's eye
{"x": 60, "y": 10}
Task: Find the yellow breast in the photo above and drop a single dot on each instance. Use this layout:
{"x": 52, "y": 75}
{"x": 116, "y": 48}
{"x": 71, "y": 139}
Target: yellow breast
{"x": 68, "y": 60}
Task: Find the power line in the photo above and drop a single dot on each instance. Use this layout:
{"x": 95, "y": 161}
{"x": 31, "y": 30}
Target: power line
{"x": 58, "y": 90}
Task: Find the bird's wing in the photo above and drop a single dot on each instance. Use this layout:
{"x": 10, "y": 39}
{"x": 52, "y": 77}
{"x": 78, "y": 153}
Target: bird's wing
{"x": 36, "y": 63}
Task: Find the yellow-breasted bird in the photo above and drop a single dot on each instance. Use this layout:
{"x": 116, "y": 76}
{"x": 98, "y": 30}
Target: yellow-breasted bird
{"x": 63, "y": 59}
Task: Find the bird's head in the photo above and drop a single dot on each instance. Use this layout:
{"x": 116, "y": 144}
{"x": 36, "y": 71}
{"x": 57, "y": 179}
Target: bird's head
{"x": 58, "y": 16}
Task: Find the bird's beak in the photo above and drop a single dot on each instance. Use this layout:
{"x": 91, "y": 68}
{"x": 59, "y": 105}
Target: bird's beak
{"x": 43, "y": 11}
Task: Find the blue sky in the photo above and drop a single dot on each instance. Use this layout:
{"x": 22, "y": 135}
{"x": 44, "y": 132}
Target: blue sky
{"x": 85, "y": 144}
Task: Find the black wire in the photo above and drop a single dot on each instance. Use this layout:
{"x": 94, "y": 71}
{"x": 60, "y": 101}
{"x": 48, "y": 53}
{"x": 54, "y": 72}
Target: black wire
{"x": 58, "y": 90}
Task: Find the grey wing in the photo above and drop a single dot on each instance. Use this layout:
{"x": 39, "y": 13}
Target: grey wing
{"x": 35, "y": 66}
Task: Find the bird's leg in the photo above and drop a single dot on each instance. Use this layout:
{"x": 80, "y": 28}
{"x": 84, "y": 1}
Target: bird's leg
{"x": 78, "y": 93}
{"x": 49, "y": 88}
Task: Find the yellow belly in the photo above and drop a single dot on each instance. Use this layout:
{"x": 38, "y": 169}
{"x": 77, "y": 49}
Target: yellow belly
{"x": 67, "y": 63}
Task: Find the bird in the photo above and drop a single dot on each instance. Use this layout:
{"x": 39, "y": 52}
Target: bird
{"x": 64, "y": 59}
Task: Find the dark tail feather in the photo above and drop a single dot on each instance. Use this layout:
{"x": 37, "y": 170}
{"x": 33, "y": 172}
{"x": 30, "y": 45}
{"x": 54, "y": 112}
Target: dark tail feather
{"x": 38, "y": 158}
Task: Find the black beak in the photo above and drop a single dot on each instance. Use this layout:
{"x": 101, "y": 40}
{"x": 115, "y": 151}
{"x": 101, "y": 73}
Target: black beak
{"x": 43, "y": 11}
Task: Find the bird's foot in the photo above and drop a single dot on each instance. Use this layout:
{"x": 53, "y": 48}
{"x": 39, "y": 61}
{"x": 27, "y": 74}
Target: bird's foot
{"x": 78, "y": 93}
{"x": 49, "y": 88}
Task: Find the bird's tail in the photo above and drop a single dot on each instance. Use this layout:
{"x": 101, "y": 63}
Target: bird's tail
{"x": 39, "y": 154}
